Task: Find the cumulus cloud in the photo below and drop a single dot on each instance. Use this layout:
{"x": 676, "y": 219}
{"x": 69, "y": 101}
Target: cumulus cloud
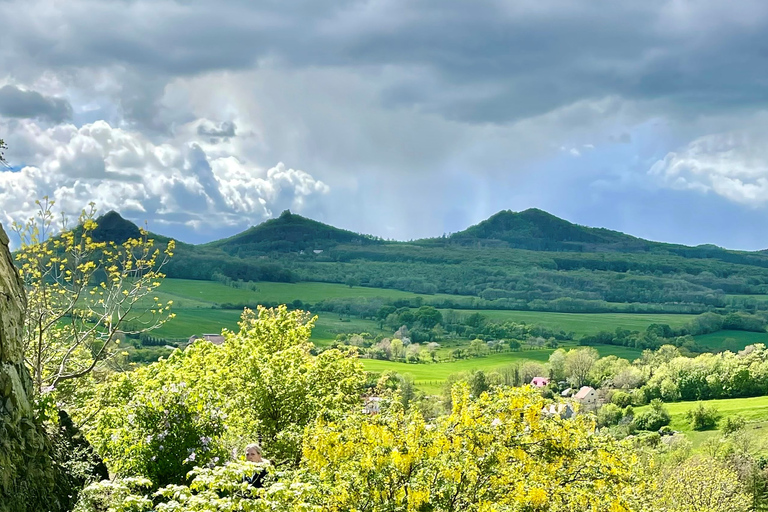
{"x": 732, "y": 165}
{"x": 122, "y": 170}
{"x": 20, "y": 103}
{"x": 399, "y": 97}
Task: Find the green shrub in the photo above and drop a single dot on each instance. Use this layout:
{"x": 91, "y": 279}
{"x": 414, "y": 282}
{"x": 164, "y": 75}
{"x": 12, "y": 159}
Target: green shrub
{"x": 733, "y": 424}
{"x": 702, "y": 417}
{"x": 609, "y": 414}
{"x": 654, "y": 418}
{"x": 621, "y": 398}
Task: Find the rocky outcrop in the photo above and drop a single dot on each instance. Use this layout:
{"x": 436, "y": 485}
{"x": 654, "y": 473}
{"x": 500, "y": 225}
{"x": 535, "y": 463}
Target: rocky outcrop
{"x": 37, "y": 469}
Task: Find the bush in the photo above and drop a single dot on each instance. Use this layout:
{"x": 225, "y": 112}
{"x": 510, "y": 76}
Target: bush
{"x": 609, "y": 414}
{"x": 702, "y": 417}
{"x": 621, "y": 398}
{"x": 733, "y": 424}
{"x": 654, "y": 418}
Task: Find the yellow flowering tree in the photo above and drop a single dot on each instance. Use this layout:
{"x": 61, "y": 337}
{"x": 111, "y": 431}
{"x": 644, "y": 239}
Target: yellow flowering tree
{"x": 81, "y": 293}
{"x": 498, "y": 453}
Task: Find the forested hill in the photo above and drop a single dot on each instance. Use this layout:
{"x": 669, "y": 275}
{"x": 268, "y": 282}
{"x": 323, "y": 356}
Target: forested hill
{"x": 538, "y": 230}
{"x": 526, "y": 260}
{"x": 290, "y": 233}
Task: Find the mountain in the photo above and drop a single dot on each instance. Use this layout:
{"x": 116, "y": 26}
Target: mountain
{"x": 113, "y": 227}
{"x": 512, "y": 260}
{"x": 290, "y": 233}
{"x": 538, "y": 230}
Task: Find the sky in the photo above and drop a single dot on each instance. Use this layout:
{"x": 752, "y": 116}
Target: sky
{"x": 398, "y": 118}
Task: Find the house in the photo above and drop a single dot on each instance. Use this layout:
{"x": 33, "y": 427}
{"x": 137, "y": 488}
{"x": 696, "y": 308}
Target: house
{"x": 586, "y": 396}
{"x": 540, "y": 382}
{"x": 372, "y": 405}
{"x": 566, "y": 392}
{"x": 563, "y": 410}
{"x": 216, "y": 339}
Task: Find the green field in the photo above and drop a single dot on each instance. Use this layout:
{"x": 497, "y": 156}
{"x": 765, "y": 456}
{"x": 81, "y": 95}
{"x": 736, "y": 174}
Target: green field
{"x": 752, "y": 409}
{"x": 210, "y": 321}
{"x": 430, "y": 377}
{"x": 743, "y": 338}
{"x": 205, "y": 293}
{"x": 588, "y": 323}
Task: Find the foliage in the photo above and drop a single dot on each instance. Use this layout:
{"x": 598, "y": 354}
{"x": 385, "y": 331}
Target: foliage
{"x": 495, "y": 453}
{"x": 702, "y": 417}
{"x": 278, "y": 385}
{"x": 80, "y": 293}
{"x": 733, "y": 424}
{"x": 120, "y": 495}
{"x": 653, "y": 418}
{"x": 609, "y": 414}
{"x": 263, "y": 384}
{"x": 700, "y": 485}
{"x": 159, "y": 431}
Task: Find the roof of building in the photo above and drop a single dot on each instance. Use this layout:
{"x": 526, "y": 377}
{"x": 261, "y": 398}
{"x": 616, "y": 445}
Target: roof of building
{"x": 584, "y": 392}
{"x": 539, "y": 382}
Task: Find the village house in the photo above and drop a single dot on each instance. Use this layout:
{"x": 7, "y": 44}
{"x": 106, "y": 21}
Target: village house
{"x": 563, "y": 410}
{"x": 540, "y": 382}
{"x": 587, "y": 396}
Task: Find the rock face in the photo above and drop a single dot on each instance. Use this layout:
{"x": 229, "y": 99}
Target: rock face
{"x": 35, "y": 464}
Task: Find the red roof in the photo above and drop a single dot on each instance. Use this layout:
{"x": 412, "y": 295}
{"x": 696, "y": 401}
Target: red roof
{"x": 539, "y": 382}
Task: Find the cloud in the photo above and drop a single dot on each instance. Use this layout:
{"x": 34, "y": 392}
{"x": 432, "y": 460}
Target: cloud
{"x": 401, "y": 97}
{"x": 122, "y": 170}
{"x": 733, "y": 165}
{"x": 224, "y": 130}
{"x": 19, "y": 103}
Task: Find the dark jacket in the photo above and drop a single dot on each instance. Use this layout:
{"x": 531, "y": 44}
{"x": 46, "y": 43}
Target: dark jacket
{"x": 257, "y": 479}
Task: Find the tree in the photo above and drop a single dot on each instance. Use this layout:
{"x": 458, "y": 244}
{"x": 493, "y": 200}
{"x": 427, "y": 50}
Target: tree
{"x": 82, "y": 293}
{"x": 478, "y": 347}
{"x": 578, "y": 364}
{"x": 428, "y": 316}
{"x": 262, "y": 383}
{"x": 492, "y": 453}
{"x": 557, "y": 364}
{"x": 701, "y": 485}
{"x": 396, "y": 348}
{"x": 3, "y": 146}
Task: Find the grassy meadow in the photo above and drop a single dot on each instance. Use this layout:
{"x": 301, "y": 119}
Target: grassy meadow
{"x": 430, "y": 377}
{"x": 197, "y": 293}
{"x": 716, "y": 340}
{"x": 753, "y": 409}
{"x": 589, "y": 323}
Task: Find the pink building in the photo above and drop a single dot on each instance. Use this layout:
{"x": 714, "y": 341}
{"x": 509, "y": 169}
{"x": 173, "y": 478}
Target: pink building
{"x": 540, "y": 382}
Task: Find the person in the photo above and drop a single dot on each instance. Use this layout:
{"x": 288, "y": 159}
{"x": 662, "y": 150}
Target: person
{"x": 253, "y": 453}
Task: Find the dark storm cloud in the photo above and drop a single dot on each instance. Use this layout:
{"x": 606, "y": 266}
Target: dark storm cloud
{"x": 225, "y": 130}
{"x": 18, "y": 103}
{"x": 487, "y": 61}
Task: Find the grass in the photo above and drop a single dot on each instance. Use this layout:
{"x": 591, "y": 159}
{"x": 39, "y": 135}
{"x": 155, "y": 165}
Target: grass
{"x": 209, "y": 292}
{"x": 588, "y": 323}
{"x": 715, "y": 340}
{"x": 193, "y": 321}
{"x": 430, "y": 377}
{"x": 753, "y": 409}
